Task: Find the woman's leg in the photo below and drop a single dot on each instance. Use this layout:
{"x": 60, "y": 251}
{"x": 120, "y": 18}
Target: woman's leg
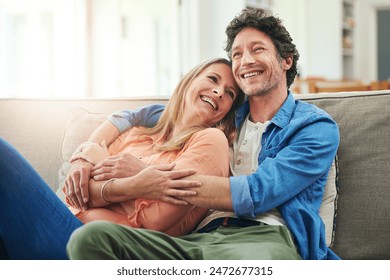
{"x": 34, "y": 222}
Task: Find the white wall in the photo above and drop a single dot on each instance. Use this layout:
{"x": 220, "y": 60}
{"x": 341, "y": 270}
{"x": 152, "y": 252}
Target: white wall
{"x": 292, "y": 13}
{"x": 203, "y": 29}
{"x": 315, "y": 27}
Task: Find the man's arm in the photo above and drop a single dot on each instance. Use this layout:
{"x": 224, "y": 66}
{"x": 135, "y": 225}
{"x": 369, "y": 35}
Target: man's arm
{"x": 277, "y": 179}
{"x": 144, "y": 116}
{"x": 213, "y": 193}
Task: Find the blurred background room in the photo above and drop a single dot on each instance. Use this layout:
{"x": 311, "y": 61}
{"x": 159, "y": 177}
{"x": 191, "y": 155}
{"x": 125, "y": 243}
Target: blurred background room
{"x": 125, "y": 48}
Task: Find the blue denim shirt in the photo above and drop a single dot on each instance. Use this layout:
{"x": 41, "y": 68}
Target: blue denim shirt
{"x": 298, "y": 147}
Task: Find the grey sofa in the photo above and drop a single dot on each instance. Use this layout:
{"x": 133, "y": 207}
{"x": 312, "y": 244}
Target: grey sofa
{"x": 40, "y": 130}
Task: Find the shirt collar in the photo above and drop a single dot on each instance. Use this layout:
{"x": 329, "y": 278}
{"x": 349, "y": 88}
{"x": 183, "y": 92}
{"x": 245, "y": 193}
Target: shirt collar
{"x": 282, "y": 117}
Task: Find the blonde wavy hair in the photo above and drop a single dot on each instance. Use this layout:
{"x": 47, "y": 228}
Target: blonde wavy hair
{"x": 174, "y": 111}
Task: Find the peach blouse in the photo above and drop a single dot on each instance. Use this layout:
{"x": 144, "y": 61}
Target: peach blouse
{"x": 206, "y": 151}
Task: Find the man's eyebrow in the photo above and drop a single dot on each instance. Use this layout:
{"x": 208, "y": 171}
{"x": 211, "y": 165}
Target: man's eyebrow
{"x": 251, "y": 44}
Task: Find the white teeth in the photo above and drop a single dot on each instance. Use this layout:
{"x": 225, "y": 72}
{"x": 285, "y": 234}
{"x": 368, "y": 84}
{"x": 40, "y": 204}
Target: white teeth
{"x": 208, "y": 100}
{"x": 247, "y": 75}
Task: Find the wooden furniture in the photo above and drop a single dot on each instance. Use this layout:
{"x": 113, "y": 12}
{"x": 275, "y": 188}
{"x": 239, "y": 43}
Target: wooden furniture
{"x": 380, "y": 85}
{"x": 319, "y": 84}
{"x": 340, "y": 86}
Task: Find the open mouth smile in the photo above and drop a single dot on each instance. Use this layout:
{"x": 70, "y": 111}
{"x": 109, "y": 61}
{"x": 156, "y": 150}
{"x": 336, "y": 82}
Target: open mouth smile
{"x": 250, "y": 74}
{"x": 209, "y": 101}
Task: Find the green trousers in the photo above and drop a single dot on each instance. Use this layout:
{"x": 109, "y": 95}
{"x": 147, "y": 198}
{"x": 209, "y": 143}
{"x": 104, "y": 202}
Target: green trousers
{"x": 104, "y": 241}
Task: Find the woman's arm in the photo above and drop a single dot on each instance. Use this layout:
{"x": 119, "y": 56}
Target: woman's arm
{"x": 76, "y": 182}
{"x": 158, "y": 182}
{"x": 106, "y": 132}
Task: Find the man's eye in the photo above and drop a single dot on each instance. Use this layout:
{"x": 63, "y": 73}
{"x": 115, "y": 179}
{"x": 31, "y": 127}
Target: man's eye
{"x": 236, "y": 55}
{"x": 258, "y": 49}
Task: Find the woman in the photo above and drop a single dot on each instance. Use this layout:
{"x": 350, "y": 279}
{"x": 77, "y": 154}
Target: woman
{"x": 35, "y": 224}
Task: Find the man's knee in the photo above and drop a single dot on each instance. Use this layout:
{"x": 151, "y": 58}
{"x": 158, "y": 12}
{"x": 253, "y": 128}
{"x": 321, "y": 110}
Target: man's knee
{"x": 90, "y": 241}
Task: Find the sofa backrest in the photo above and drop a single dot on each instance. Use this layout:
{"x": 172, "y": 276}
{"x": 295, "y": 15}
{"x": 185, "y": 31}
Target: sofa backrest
{"x": 363, "y": 208}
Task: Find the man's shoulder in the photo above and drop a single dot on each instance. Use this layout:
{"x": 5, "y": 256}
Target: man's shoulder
{"x": 310, "y": 110}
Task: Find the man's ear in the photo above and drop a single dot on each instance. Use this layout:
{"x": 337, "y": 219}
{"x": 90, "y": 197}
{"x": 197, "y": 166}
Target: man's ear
{"x": 288, "y": 62}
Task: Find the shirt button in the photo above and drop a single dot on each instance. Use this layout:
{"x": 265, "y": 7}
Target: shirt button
{"x": 238, "y": 162}
{"x": 244, "y": 143}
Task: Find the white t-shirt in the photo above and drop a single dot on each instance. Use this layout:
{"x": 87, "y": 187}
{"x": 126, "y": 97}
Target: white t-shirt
{"x": 244, "y": 161}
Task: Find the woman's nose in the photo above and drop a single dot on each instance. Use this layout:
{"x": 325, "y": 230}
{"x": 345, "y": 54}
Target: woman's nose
{"x": 217, "y": 93}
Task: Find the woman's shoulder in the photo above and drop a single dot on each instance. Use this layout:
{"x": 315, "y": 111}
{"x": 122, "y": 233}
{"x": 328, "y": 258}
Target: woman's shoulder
{"x": 210, "y": 132}
{"x": 210, "y": 136}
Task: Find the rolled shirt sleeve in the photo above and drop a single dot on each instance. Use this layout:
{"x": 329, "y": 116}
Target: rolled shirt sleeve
{"x": 241, "y": 196}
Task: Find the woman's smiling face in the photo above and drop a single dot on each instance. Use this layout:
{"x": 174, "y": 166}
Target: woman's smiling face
{"x": 210, "y": 96}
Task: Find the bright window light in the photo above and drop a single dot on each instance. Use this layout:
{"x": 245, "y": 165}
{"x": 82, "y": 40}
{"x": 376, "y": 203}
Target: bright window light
{"x": 88, "y": 48}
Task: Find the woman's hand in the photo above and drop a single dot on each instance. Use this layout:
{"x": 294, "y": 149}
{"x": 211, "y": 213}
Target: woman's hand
{"x": 119, "y": 166}
{"x": 76, "y": 186}
{"x": 161, "y": 182}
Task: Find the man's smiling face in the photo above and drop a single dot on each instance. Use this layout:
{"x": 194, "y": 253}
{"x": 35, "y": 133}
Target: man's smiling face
{"x": 257, "y": 67}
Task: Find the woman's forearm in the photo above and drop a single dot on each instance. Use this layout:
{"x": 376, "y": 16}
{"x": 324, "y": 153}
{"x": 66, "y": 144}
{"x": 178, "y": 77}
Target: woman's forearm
{"x": 154, "y": 182}
{"x": 116, "y": 190}
{"x": 106, "y": 132}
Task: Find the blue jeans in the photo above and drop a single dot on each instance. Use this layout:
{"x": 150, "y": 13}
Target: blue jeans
{"x": 34, "y": 222}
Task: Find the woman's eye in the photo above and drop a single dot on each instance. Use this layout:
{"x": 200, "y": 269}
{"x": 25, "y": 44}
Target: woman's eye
{"x": 231, "y": 94}
{"x": 213, "y": 78}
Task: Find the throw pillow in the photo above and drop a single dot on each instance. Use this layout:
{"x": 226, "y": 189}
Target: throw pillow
{"x": 328, "y": 209}
{"x": 79, "y": 127}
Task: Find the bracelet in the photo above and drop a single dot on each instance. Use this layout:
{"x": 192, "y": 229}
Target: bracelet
{"x": 102, "y": 190}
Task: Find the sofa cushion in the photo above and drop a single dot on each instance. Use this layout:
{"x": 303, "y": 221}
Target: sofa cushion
{"x": 79, "y": 127}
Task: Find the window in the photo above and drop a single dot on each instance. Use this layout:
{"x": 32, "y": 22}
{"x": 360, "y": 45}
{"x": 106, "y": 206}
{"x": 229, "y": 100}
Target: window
{"x": 88, "y": 48}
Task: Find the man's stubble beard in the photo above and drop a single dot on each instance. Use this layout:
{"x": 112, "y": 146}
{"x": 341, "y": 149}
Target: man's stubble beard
{"x": 262, "y": 92}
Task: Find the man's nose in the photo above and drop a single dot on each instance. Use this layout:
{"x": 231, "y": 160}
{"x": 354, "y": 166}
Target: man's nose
{"x": 247, "y": 58}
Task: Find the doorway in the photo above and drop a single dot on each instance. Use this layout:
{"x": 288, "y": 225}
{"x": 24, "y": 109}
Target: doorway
{"x": 383, "y": 23}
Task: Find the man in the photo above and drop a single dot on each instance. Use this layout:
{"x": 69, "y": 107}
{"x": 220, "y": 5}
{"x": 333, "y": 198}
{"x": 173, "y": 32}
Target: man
{"x": 280, "y": 161}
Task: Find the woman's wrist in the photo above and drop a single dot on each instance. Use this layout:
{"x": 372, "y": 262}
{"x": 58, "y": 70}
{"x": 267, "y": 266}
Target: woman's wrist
{"x": 104, "y": 190}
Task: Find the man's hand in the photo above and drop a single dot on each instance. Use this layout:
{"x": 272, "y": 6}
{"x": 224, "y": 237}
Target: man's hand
{"x": 76, "y": 184}
{"x": 161, "y": 182}
{"x": 119, "y": 166}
